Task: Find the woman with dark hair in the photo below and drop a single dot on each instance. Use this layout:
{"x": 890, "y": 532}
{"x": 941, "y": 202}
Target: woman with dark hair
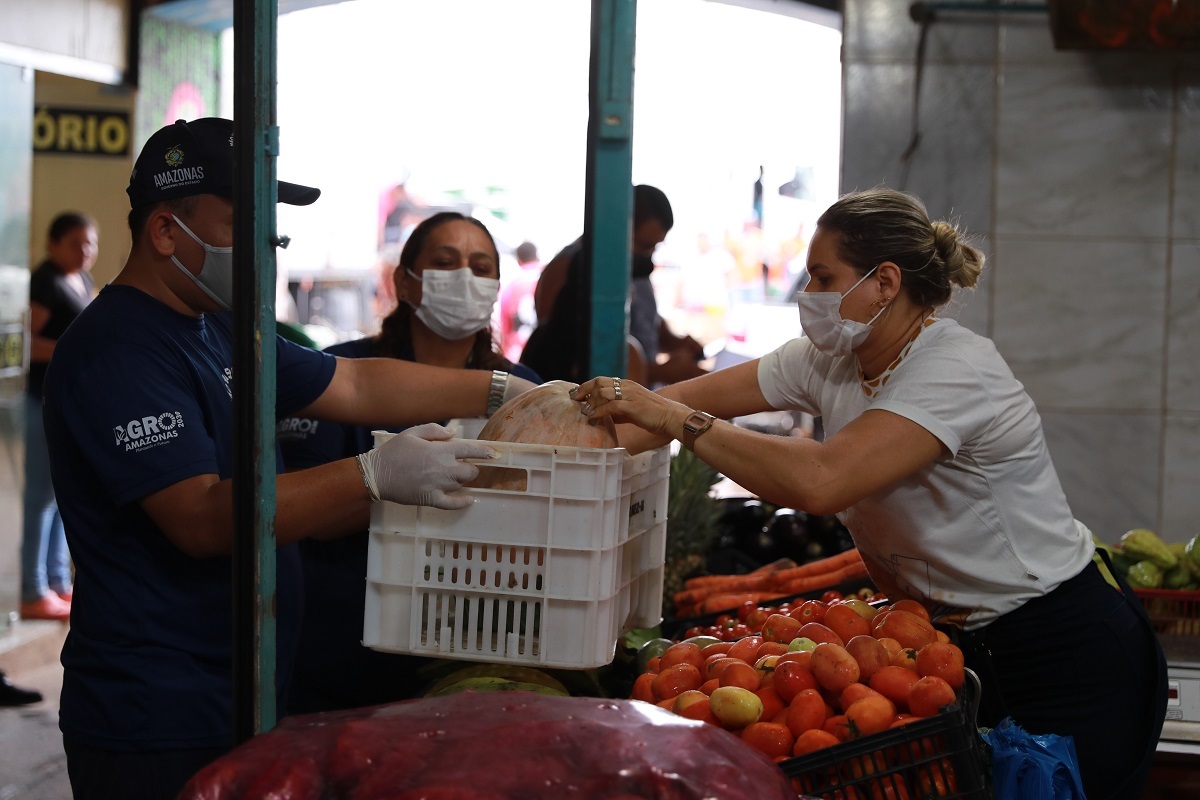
{"x": 935, "y": 460}
{"x": 447, "y": 284}
{"x": 58, "y": 290}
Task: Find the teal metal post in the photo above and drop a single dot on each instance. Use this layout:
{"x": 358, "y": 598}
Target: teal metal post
{"x": 256, "y": 145}
{"x": 609, "y": 201}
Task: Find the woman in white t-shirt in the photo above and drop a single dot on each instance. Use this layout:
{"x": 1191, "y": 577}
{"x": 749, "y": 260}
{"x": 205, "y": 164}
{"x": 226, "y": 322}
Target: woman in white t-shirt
{"x": 934, "y": 459}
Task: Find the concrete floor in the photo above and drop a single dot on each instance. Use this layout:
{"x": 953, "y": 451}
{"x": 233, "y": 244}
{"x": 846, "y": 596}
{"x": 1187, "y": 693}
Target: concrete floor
{"x": 32, "y": 764}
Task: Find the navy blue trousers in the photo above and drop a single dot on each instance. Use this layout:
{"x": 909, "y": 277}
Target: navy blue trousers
{"x": 104, "y": 774}
{"x": 1082, "y": 661}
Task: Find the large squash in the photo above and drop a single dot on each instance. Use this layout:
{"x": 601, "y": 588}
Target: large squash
{"x": 545, "y": 414}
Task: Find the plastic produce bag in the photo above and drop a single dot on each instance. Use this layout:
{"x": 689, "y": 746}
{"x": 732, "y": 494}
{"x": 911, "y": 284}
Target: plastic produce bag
{"x": 493, "y": 746}
{"x": 1026, "y": 766}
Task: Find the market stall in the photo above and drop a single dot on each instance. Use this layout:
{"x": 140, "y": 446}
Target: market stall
{"x": 554, "y": 672}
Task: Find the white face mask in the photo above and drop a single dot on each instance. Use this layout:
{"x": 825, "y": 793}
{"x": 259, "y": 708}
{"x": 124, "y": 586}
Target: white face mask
{"x": 455, "y": 303}
{"x": 821, "y": 321}
{"x": 216, "y": 274}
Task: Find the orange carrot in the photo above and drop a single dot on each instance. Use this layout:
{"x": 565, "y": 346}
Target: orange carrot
{"x": 726, "y": 584}
{"x": 730, "y": 600}
{"x": 702, "y": 581}
{"x": 827, "y": 580}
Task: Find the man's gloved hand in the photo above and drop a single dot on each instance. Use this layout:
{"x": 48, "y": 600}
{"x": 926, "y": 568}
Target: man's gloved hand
{"x": 421, "y": 466}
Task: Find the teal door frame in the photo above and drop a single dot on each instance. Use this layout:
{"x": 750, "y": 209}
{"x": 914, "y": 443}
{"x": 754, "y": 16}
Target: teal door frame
{"x": 256, "y": 146}
{"x": 608, "y": 203}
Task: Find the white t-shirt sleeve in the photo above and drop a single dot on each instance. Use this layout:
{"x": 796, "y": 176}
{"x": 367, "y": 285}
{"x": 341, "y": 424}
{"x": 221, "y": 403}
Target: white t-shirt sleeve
{"x": 786, "y": 376}
{"x": 944, "y": 392}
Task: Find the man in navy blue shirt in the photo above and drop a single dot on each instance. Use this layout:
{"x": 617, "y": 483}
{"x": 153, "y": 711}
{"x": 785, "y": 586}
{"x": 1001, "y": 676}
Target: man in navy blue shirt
{"x": 139, "y": 421}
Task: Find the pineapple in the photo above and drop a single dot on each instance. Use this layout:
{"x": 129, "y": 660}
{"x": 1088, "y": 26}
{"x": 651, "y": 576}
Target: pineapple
{"x": 692, "y": 521}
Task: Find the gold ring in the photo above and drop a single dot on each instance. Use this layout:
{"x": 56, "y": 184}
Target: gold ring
{"x": 616, "y": 388}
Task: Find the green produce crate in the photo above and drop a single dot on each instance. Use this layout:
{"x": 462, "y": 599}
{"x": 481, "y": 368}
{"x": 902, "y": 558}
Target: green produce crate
{"x": 940, "y": 756}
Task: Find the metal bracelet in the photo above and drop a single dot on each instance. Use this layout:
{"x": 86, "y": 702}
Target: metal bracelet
{"x": 496, "y": 391}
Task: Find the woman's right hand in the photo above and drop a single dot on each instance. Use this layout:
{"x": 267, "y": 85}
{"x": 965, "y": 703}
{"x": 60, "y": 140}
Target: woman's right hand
{"x": 627, "y": 401}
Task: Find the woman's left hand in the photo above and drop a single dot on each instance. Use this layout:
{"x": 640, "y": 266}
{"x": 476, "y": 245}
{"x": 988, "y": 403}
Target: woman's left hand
{"x": 628, "y": 401}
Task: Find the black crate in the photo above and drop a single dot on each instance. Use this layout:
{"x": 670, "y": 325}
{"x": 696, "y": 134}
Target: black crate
{"x": 939, "y": 756}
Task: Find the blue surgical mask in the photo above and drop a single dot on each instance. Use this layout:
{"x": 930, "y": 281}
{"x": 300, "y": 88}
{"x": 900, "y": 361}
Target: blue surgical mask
{"x": 821, "y": 320}
{"x": 216, "y": 274}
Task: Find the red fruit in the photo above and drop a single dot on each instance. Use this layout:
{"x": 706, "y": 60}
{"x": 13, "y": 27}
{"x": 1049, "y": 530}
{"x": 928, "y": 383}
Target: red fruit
{"x": 806, "y": 711}
{"x": 833, "y": 667}
{"x": 790, "y": 678}
{"x": 781, "y": 628}
{"x": 846, "y": 622}
{"x": 870, "y": 654}
{"x": 944, "y": 660}
{"x": 893, "y": 683}
{"x": 929, "y": 694}
{"x": 746, "y": 648}
{"x": 810, "y": 611}
{"x": 907, "y": 628}
{"x": 741, "y": 674}
{"x": 769, "y": 737}
{"x": 681, "y": 653}
{"x": 673, "y": 681}
{"x": 819, "y": 633}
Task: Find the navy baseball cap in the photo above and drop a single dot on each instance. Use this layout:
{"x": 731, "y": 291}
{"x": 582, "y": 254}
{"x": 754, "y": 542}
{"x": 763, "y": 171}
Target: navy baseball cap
{"x": 190, "y": 158}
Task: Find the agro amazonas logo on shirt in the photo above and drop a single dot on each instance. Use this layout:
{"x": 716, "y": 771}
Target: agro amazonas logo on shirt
{"x": 138, "y": 434}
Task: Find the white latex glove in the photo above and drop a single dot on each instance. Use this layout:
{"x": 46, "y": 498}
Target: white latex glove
{"x": 421, "y": 466}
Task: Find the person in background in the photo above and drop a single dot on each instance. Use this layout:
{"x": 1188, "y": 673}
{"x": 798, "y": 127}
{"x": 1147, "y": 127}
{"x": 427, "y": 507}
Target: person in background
{"x": 556, "y": 348}
{"x": 935, "y": 460}
{"x": 447, "y": 282}
{"x": 518, "y": 317}
{"x": 140, "y": 425}
{"x": 59, "y": 289}
{"x": 12, "y": 695}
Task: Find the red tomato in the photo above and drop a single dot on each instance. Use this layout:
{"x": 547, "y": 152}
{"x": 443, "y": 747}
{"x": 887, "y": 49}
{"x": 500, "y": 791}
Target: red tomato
{"x": 790, "y": 678}
{"x": 738, "y": 631}
{"x": 871, "y": 714}
{"x": 642, "y": 688}
{"x": 810, "y": 611}
{"x": 744, "y": 610}
{"x": 746, "y": 648}
{"x": 928, "y": 695}
{"x": 806, "y": 712}
{"x": 831, "y": 596}
{"x": 673, "y": 681}
{"x": 681, "y": 653}
{"x": 781, "y": 628}
{"x": 756, "y": 619}
{"x": 768, "y": 737}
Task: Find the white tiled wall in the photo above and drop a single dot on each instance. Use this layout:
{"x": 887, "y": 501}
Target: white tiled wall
{"x": 1081, "y": 173}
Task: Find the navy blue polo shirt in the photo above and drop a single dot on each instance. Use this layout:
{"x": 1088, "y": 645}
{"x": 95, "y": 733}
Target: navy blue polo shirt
{"x": 137, "y": 398}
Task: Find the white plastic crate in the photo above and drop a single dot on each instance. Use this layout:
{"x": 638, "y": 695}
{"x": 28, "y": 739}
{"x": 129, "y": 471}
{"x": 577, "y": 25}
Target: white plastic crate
{"x": 550, "y": 576}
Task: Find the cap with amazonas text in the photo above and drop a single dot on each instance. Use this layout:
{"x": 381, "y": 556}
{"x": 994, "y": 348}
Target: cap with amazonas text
{"x": 190, "y": 158}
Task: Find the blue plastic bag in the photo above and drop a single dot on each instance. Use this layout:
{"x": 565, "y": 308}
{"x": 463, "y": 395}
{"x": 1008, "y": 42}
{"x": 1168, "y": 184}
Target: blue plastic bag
{"x": 1033, "y": 767}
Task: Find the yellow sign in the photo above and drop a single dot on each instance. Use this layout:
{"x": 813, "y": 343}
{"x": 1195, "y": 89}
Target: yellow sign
{"x": 14, "y": 350}
{"x": 80, "y": 131}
